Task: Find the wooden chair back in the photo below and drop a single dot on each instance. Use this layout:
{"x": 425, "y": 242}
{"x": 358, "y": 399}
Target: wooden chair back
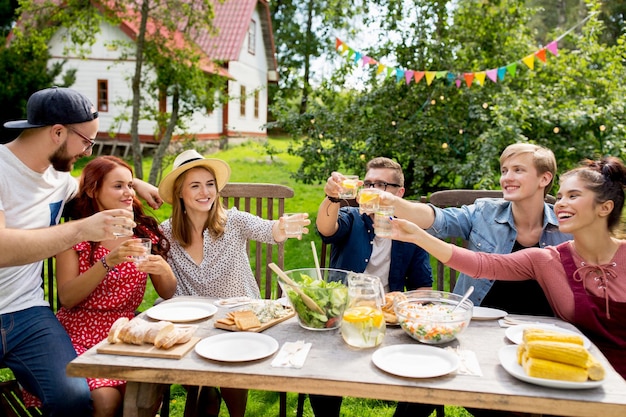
{"x": 266, "y": 201}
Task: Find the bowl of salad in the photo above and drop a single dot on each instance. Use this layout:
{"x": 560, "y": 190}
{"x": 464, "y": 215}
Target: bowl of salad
{"x": 428, "y": 316}
{"x": 319, "y": 302}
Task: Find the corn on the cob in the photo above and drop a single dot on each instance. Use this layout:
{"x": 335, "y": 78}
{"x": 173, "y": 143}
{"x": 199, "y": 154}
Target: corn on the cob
{"x": 595, "y": 369}
{"x": 521, "y": 349}
{"x": 541, "y": 368}
{"x": 567, "y": 353}
{"x": 531, "y": 334}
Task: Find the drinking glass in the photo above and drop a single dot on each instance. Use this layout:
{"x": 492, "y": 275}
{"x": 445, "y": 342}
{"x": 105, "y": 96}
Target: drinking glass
{"x": 128, "y": 231}
{"x": 382, "y": 221}
{"x": 349, "y": 187}
{"x": 292, "y": 224}
{"x": 369, "y": 200}
{"x": 147, "y": 244}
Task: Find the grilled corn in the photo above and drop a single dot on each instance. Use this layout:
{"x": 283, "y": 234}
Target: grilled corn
{"x": 595, "y": 370}
{"x": 568, "y": 353}
{"x": 541, "y": 368}
{"x": 531, "y": 334}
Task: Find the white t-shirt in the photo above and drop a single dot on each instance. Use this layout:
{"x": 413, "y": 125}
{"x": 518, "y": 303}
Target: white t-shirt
{"x": 380, "y": 261}
{"x": 29, "y": 200}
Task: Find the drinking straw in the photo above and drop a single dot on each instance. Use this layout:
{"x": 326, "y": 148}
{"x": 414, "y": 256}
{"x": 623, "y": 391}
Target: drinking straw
{"x": 317, "y": 261}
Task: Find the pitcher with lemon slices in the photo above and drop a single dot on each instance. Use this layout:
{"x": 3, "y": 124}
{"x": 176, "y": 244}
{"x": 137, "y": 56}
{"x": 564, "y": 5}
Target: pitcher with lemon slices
{"x": 363, "y": 323}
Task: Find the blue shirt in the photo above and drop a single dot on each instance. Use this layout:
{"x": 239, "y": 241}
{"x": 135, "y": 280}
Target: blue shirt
{"x": 352, "y": 248}
{"x": 488, "y": 226}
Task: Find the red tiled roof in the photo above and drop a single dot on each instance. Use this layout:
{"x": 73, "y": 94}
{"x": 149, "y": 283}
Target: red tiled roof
{"x": 232, "y": 19}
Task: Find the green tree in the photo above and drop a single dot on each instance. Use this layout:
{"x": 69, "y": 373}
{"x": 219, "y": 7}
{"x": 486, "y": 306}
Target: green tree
{"x": 23, "y": 65}
{"x": 303, "y": 32}
{"x": 449, "y": 137}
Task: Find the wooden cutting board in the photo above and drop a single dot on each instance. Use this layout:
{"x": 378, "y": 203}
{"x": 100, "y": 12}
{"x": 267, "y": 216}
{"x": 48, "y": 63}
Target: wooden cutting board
{"x": 264, "y": 326}
{"x": 147, "y": 350}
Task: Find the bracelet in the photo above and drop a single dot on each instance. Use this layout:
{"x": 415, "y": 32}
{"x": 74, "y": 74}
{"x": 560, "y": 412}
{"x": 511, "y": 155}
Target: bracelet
{"x": 105, "y": 265}
{"x": 333, "y": 199}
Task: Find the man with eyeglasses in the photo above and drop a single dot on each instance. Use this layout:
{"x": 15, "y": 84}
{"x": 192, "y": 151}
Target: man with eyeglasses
{"x": 356, "y": 248}
{"x": 34, "y": 186}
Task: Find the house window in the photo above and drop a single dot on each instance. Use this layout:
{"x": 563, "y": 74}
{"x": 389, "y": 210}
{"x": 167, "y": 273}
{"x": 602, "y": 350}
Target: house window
{"x": 252, "y": 37}
{"x": 242, "y": 101}
{"x": 256, "y": 104}
{"x": 103, "y": 95}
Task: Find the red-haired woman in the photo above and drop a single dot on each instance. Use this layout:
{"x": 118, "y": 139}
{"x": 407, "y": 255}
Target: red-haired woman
{"x": 97, "y": 281}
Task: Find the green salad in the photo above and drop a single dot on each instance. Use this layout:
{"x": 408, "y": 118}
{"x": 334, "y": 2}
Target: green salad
{"x": 331, "y": 296}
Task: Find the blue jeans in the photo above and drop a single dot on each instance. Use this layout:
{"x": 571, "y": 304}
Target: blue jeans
{"x": 36, "y": 347}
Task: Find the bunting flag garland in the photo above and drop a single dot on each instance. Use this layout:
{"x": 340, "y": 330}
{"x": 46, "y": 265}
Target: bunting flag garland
{"x": 468, "y": 78}
{"x": 495, "y": 75}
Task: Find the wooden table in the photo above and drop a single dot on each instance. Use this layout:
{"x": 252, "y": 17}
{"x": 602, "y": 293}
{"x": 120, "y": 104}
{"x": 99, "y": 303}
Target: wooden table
{"x": 333, "y": 368}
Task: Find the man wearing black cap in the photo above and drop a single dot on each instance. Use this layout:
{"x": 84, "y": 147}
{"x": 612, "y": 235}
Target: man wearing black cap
{"x": 34, "y": 185}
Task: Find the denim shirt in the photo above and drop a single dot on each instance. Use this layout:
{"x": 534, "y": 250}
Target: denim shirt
{"x": 488, "y": 226}
{"x": 352, "y": 248}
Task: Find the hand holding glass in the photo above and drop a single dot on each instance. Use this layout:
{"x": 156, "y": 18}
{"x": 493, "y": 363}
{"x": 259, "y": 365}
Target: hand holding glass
{"x": 126, "y": 230}
{"x": 147, "y": 245}
{"x": 369, "y": 200}
{"x": 349, "y": 187}
{"x": 293, "y": 224}
{"x": 382, "y": 221}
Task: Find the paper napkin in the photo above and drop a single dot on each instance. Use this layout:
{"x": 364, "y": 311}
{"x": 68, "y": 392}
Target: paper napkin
{"x": 468, "y": 362}
{"x": 292, "y": 355}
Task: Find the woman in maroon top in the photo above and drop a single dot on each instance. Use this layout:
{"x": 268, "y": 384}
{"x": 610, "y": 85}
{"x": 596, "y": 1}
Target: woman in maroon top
{"x": 584, "y": 279}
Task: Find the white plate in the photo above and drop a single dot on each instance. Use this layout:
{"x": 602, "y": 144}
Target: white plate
{"x": 508, "y": 359}
{"x": 181, "y": 311}
{"x": 516, "y": 333}
{"x": 415, "y": 361}
{"x": 487, "y": 313}
{"x": 237, "y": 347}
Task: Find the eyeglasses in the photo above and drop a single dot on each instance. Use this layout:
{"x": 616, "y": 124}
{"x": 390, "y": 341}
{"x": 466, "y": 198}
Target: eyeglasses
{"x": 379, "y": 185}
{"x": 87, "y": 140}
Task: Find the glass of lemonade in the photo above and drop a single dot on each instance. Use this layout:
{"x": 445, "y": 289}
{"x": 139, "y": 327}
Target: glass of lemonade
{"x": 382, "y": 221}
{"x": 349, "y": 187}
{"x": 363, "y": 322}
{"x": 369, "y": 200}
{"x": 363, "y": 326}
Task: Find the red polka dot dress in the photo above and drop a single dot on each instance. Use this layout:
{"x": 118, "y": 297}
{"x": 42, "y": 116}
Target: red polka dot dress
{"x": 119, "y": 294}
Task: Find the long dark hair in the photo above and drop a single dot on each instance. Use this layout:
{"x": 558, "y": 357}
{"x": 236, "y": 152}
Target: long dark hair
{"x": 83, "y": 205}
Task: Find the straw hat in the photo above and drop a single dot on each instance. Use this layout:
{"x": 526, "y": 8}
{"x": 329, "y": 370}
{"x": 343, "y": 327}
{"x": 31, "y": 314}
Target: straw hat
{"x": 191, "y": 159}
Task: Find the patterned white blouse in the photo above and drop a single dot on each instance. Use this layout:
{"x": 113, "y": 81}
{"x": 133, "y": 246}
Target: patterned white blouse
{"x": 225, "y": 268}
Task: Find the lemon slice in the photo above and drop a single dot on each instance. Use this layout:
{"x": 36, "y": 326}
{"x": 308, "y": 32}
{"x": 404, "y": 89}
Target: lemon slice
{"x": 368, "y": 197}
{"x": 350, "y": 184}
{"x": 362, "y": 314}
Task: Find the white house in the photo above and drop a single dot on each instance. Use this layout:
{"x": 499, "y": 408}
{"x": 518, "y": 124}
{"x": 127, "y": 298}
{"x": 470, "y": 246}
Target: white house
{"x": 244, "y": 43}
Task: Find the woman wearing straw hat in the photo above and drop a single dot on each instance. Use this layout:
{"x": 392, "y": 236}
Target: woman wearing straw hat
{"x": 208, "y": 244}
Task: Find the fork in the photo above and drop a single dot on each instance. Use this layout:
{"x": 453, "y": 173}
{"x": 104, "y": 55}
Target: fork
{"x": 291, "y": 349}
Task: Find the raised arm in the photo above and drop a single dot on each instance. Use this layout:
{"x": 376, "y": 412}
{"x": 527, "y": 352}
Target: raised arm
{"x": 407, "y": 231}
{"x": 328, "y": 211}
{"x": 20, "y": 247}
{"x": 419, "y": 213}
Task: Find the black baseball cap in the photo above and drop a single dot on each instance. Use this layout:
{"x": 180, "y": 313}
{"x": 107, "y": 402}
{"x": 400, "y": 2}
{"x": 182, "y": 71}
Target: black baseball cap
{"x": 55, "y": 105}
